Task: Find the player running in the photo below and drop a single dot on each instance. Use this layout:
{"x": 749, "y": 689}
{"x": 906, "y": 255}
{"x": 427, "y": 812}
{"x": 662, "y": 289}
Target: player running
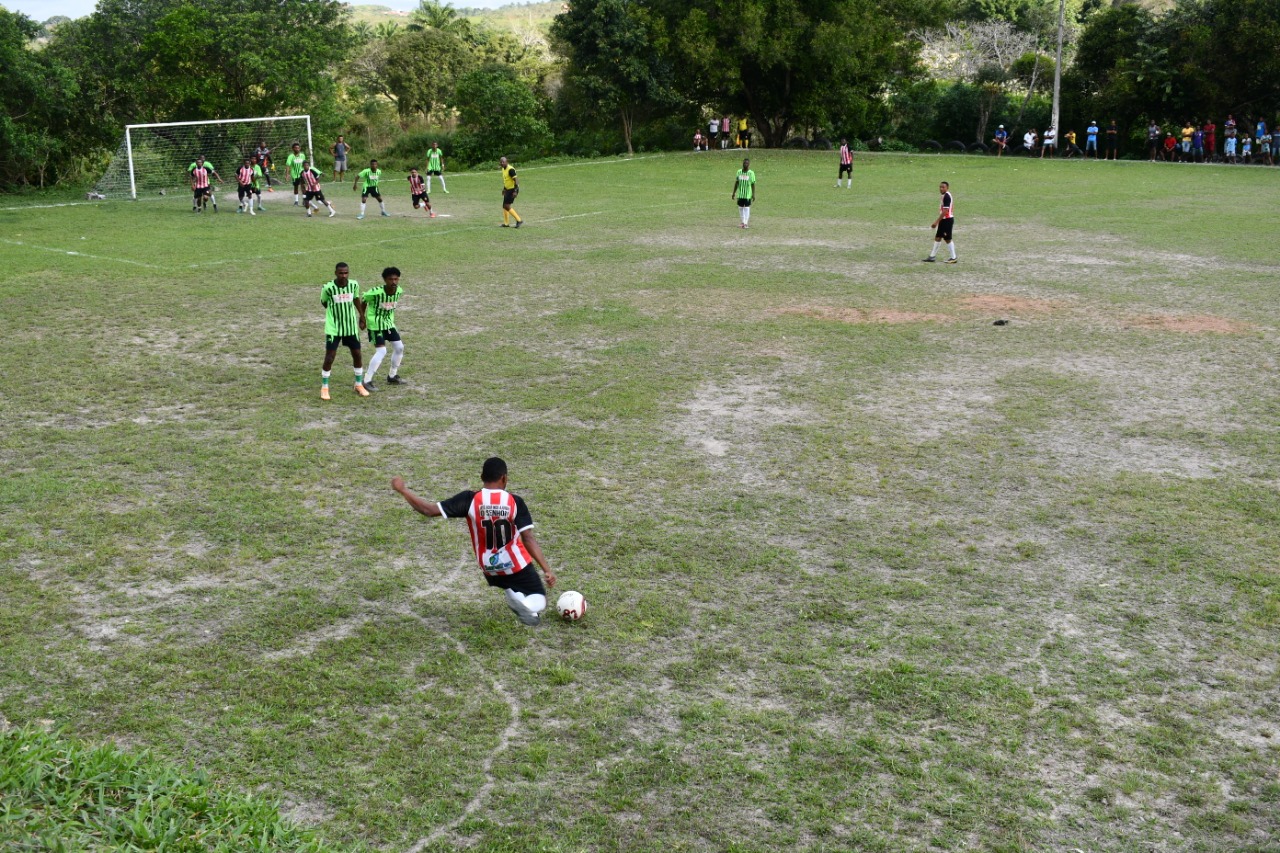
{"x": 244, "y": 187}
{"x": 502, "y": 536}
{"x": 744, "y": 190}
{"x": 510, "y": 189}
{"x": 343, "y": 318}
{"x": 380, "y": 319}
{"x": 846, "y": 165}
{"x": 371, "y": 176}
{"x": 202, "y": 174}
{"x": 944, "y": 223}
{"x": 296, "y": 162}
{"x": 435, "y": 167}
{"x": 418, "y": 190}
{"x": 313, "y": 196}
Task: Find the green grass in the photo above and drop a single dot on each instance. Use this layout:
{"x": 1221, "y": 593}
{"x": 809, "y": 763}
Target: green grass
{"x": 864, "y": 571}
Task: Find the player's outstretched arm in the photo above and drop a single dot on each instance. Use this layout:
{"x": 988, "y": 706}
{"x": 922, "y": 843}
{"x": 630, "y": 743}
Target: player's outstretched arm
{"x": 535, "y": 551}
{"x": 419, "y": 505}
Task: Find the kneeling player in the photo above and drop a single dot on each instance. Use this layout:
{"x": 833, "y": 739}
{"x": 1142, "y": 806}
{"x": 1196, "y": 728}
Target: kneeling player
{"x": 419, "y": 192}
{"x": 502, "y": 536}
{"x": 313, "y": 196}
{"x": 371, "y": 177}
{"x": 343, "y": 319}
{"x": 380, "y": 319}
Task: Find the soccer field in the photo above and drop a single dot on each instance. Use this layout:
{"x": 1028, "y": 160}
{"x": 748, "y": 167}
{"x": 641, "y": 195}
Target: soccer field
{"x": 865, "y": 571}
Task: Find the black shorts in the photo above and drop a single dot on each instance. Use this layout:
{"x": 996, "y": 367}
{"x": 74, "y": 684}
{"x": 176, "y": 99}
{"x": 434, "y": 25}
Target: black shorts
{"x": 744, "y": 135}
{"x": 244, "y": 192}
{"x": 744, "y": 202}
{"x": 297, "y": 184}
{"x": 845, "y": 168}
{"x": 420, "y": 198}
{"x": 380, "y": 338}
{"x": 944, "y": 229}
{"x": 435, "y": 173}
{"x": 370, "y": 191}
{"x": 332, "y": 342}
{"x": 508, "y": 197}
{"x": 318, "y": 195}
{"x": 527, "y": 580}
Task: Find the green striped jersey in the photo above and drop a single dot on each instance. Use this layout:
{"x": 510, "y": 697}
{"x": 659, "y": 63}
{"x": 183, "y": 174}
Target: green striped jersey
{"x": 380, "y": 308}
{"x": 746, "y": 184}
{"x": 294, "y": 162}
{"x": 341, "y": 318}
{"x": 371, "y": 178}
{"x": 257, "y": 177}
{"x": 433, "y": 160}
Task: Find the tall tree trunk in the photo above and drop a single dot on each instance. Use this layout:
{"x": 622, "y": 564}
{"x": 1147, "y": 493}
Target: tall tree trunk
{"x": 628, "y": 117}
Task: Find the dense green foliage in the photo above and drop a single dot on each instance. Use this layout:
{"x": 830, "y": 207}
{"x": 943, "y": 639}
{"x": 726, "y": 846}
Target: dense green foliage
{"x": 61, "y": 794}
{"x": 617, "y": 75}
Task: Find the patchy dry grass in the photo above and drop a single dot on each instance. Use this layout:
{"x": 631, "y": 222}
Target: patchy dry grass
{"x": 865, "y": 571}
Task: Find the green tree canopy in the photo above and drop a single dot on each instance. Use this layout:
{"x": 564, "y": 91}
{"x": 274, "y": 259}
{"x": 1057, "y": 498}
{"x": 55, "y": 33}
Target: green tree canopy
{"x": 36, "y": 105}
{"x": 500, "y": 114}
{"x": 422, "y": 69}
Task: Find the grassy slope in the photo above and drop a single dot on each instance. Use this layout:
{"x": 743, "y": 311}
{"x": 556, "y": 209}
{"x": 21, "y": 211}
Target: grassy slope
{"x": 893, "y": 585}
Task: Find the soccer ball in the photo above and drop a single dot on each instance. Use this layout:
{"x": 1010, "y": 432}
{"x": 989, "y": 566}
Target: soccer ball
{"x": 571, "y": 605}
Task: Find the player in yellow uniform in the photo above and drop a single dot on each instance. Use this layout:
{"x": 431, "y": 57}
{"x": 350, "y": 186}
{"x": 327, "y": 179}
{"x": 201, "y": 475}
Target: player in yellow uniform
{"x": 510, "y": 189}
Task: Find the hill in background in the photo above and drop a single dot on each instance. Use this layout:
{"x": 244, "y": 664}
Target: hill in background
{"x": 511, "y": 16}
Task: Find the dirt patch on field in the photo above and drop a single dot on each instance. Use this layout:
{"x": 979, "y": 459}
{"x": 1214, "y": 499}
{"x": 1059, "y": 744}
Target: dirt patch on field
{"x": 888, "y": 316}
{"x": 1006, "y": 304}
{"x": 1190, "y": 324}
{"x": 728, "y": 423}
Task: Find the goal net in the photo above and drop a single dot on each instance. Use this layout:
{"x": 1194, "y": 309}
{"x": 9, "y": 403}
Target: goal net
{"x": 153, "y": 158}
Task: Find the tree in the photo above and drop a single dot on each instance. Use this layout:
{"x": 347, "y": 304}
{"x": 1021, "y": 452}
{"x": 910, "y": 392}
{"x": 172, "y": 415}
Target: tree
{"x": 499, "y": 115}
{"x": 791, "y": 63}
{"x": 36, "y": 106}
{"x": 422, "y": 70}
{"x": 618, "y": 56}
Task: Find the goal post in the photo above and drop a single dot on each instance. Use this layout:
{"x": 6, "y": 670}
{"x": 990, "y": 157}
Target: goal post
{"x": 153, "y": 158}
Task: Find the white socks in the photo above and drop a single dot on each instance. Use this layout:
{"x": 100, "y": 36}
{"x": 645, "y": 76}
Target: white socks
{"x": 397, "y": 353}
{"x": 442, "y": 186}
{"x": 952, "y": 247}
{"x": 362, "y": 207}
{"x": 934, "y": 251}
{"x": 746, "y": 214}
{"x": 376, "y": 362}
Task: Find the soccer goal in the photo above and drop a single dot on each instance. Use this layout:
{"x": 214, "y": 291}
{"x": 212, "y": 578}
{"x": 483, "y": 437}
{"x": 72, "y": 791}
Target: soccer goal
{"x": 153, "y": 158}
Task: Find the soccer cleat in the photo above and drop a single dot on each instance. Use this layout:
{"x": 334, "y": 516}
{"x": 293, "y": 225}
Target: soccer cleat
{"x": 930, "y": 260}
{"x": 239, "y": 210}
{"x": 251, "y": 213}
{"x": 433, "y": 214}
{"x": 504, "y": 225}
{"x": 360, "y": 390}
{"x": 308, "y": 214}
{"x": 394, "y": 380}
{"x": 516, "y": 602}
{"x": 519, "y": 222}
{"x": 951, "y": 261}
{"x": 384, "y": 213}
{"x": 297, "y": 204}
{"x": 446, "y": 192}
{"x": 369, "y": 386}
{"x": 837, "y": 185}
{"x": 324, "y": 392}
{"x": 360, "y": 216}
{"x": 215, "y": 207}
{"x": 332, "y": 213}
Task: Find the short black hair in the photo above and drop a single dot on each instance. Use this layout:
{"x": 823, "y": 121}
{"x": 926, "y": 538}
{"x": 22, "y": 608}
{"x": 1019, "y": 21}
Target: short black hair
{"x": 390, "y": 271}
{"x": 494, "y": 469}
{"x": 340, "y": 264}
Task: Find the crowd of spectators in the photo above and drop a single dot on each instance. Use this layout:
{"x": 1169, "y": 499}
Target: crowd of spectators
{"x": 1247, "y": 141}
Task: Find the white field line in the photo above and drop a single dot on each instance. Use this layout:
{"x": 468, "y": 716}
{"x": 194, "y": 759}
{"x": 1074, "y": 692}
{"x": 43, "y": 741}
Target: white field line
{"x": 85, "y": 255}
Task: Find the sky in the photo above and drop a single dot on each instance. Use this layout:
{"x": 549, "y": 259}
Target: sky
{"x": 43, "y": 10}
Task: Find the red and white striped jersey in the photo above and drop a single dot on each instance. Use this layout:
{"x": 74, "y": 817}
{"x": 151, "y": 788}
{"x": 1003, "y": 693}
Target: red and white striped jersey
{"x": 416, "y": 186}
{"x": 244, "y": 176}
{"x": 200, "y": 177}
{"x": 495, "y": 519}
{"x": 947, "y": 210}
{"x": 846, "y": 156}
{"x": 310, "y": 182}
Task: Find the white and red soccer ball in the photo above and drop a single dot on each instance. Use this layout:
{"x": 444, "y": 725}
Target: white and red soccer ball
{"x": 571, "y": 605}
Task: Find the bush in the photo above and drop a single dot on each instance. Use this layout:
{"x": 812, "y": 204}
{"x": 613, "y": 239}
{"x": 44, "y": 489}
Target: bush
{"x": 500, "y": 116}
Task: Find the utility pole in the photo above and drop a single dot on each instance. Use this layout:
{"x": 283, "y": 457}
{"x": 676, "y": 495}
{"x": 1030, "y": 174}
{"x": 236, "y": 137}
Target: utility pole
{"x": 1057, "y": 73}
